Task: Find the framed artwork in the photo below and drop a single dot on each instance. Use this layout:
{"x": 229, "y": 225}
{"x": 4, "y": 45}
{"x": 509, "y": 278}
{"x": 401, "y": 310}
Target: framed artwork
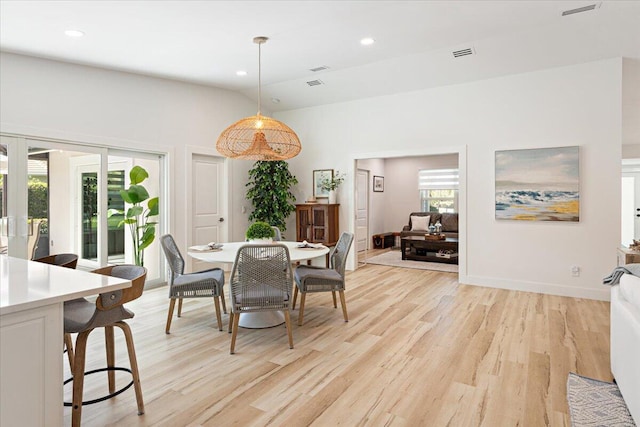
{"x": 378, "y": 184}
{"x": 538, "y": 184}
{"x": 318, "y": 176}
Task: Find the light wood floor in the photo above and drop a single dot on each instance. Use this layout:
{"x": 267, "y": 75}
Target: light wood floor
{"x": 419, "y": 350}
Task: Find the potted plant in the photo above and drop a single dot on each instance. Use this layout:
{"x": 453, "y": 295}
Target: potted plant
{"x": 270, "y": 193}
{"x": 332, "y": 184}
{"x": 137, "y": 217}
{"x": 260, "y": 232}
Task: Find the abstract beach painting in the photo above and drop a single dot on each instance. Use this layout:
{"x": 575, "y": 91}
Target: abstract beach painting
{"x": 538, "y": 184}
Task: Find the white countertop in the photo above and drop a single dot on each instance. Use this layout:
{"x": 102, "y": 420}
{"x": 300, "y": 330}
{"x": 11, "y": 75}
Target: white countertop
{"x": 229, "y": 251}
{"x": 28, "y": 284}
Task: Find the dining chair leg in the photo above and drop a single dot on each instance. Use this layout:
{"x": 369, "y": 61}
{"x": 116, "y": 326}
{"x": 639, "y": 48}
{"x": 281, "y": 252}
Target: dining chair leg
{"x": 236, "y": 318}
{"x": 172, "y": 303}
{"x": 180, "y": 307}
{"x": 344, "y": 306}
{"x": 78, "y": 377}
{"x": 287, "y": 321}
{"x": 216, "y": 301}
{"x": 295, "y": 297}
{"x": 231, "y": 315}
{"x": 301, "y": 312}
{"x": 335, "y": 304}
{"x": 68, "y": 343}
{"x": 133, "y": 362}
{"x": 111, "y": 358}
{"x": 224, "y": 302}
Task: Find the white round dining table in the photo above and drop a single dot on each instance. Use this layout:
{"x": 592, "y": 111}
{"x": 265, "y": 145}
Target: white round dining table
{"x": 227, "y": 254}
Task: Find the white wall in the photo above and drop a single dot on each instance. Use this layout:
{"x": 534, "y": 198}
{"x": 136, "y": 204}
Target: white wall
{"x": 90, "y": 105}
{"x": 575, "y": 105}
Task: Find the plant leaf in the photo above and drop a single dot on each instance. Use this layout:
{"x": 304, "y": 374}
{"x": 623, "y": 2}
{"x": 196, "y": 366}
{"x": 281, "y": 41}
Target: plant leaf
{"x": 154, "y": 207}
{"x": 134, "y": 211}
{"x": 137, "y": 175}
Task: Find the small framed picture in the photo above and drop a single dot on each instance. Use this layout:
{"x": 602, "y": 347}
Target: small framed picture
{"x": 378, "y": 184}
{"x": 318, "y": 176}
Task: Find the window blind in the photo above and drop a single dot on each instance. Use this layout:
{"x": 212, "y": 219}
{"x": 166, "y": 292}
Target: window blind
{"x": 438, "y": 179}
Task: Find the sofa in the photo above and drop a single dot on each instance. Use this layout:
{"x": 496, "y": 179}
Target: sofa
{"x": 449, "y": 222}
{"x": 625, "y": 341}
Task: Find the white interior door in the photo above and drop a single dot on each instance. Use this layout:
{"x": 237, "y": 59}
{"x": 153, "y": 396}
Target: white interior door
{"x": 362, "y": 209}
{"x": 208, "y": 203}
{"x": 630, "y": 203}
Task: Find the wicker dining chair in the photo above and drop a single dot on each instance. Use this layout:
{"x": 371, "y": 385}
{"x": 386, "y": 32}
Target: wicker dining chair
{"x": 309, "y": 278}
{"x": 208, "y": 283}
{"x": 82, "y": 317}
{"x": 277, "y": 234}
{"x": 260, "y": 281}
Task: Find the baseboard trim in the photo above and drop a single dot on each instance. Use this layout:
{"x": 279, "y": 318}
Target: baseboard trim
{"x": 603, "y": 294}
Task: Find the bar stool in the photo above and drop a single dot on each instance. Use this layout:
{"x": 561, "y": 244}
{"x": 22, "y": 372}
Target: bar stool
{"x": 82, "y": 317}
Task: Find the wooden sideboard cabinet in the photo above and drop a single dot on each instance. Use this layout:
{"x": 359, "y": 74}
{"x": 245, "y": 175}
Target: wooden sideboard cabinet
{"x": 317, "y": 223}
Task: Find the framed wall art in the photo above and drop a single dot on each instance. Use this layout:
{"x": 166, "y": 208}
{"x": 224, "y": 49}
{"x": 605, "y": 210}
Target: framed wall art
{"x": 378, "y": 184}
{"x": 318, "y": 176}
{"x": 541, "y": 184}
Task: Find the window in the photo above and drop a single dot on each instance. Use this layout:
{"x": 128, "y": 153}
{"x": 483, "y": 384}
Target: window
{"x": 438, "y": 190}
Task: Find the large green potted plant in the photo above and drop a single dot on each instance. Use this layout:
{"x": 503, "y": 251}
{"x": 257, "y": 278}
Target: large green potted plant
{"x": 137, "y": 216}
{"x": 270, "y": 193}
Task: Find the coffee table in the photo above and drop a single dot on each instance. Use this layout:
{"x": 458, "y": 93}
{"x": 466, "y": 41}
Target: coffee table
{"x": 418, "y": 248}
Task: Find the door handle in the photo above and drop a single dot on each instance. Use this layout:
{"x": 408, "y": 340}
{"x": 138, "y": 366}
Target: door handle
{"x": 221, "y": 220}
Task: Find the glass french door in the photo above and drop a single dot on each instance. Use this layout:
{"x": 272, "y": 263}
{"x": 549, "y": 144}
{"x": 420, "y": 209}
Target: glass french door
{"x": 54, "y": 198}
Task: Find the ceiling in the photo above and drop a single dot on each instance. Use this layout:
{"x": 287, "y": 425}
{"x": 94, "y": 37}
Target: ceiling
{"x": 206, "y": 42}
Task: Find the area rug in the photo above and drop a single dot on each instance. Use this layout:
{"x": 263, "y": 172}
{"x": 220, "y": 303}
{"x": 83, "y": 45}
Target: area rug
{"x": 394, "y": 259}
{"x": 596, "y": 403}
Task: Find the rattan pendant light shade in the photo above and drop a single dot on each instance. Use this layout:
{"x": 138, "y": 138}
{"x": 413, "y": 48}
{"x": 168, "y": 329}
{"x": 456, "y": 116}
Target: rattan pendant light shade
{"x": 258, "y": 137}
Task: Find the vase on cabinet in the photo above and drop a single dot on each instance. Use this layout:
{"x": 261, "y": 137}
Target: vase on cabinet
{"x": 332, "y": 197}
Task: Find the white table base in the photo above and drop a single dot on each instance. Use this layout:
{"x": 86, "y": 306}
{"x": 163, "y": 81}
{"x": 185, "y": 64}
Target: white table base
{"x": 261, "y": 319}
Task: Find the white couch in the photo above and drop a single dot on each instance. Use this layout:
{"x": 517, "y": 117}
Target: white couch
{"x": 625, "y": 341}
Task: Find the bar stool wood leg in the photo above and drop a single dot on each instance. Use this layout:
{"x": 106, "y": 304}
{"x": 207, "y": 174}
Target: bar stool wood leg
{"x": 111, "y": 357}
{"x": 68, "y": 343}
{"x": 133, "y": 361}
{"x": 295, "y": 297}
{"x": 78, "y": 377}
{"x": 335, "y": 304}
{"x": 180, "y": 307}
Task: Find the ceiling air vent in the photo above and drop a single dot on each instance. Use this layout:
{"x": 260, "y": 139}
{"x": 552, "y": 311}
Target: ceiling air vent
{"x": 463, "y": 52}
{"x": 315, "y": 83}
{"x": 320, "y": 68}
{"x": 581, "y": 9}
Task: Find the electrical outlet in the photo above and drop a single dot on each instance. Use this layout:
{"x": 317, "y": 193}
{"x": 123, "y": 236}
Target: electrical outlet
{"x": 575, "y": 271}
{"x": 244, "y": 209}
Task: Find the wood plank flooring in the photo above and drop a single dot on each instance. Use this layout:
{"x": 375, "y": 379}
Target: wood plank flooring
{"x": 419, "y": 350}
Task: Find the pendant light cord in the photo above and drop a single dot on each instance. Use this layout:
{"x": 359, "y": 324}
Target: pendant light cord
{"x": 259, "y": 76}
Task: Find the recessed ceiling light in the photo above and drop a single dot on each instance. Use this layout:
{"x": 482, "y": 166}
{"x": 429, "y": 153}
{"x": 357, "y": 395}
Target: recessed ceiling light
{"x": 275, "y": 100}
{"x": 74, "y": 33}
{"x": 241, "y": 73}
{"x": 367, "y": 41}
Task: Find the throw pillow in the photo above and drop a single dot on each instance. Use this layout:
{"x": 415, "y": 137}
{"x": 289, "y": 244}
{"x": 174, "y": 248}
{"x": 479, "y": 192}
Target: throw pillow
{"x": 420, "y": 223}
